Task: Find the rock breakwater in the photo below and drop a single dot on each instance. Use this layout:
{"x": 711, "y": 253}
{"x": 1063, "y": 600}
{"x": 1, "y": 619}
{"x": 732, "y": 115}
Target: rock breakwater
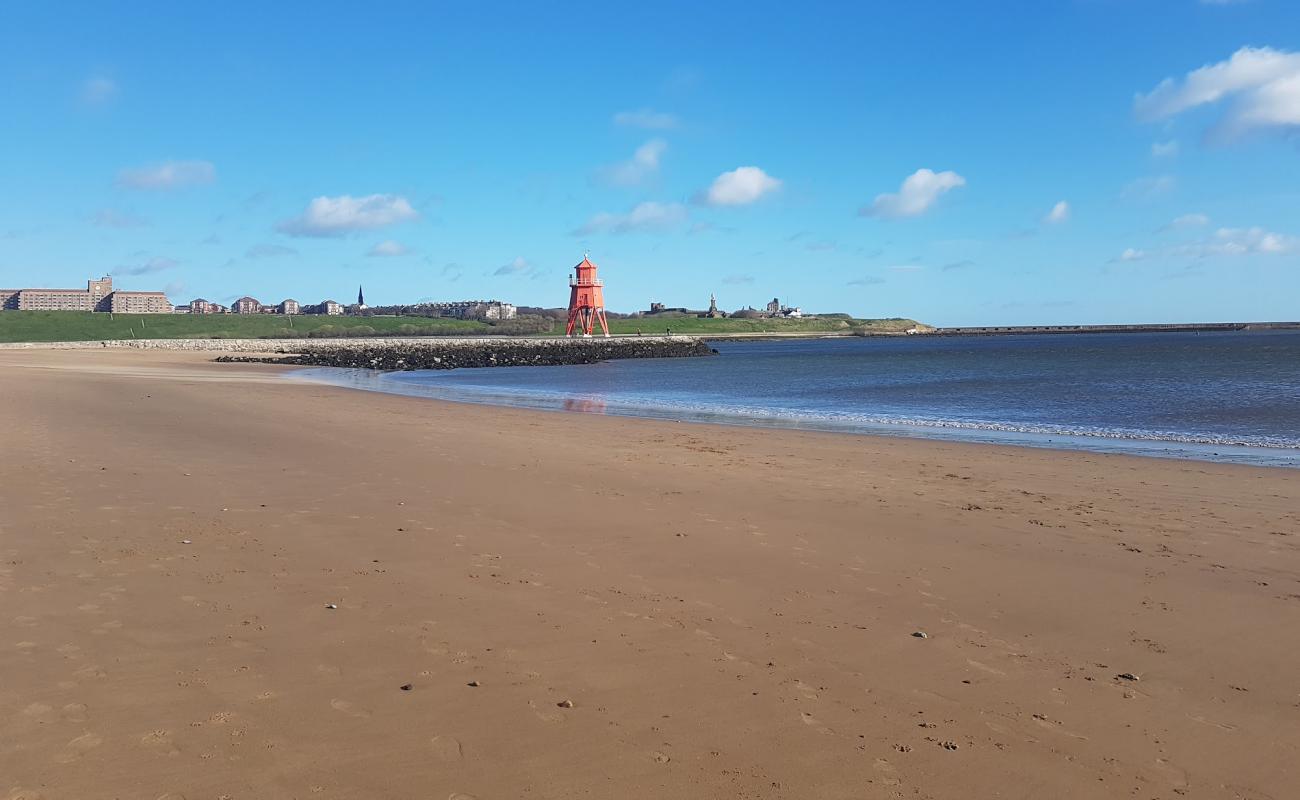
{"x": 409, "y": 353}
{"x": 469, "y": 353}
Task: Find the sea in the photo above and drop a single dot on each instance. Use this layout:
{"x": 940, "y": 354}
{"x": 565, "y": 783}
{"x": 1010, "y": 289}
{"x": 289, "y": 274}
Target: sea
{"x": 1222, "y": 396}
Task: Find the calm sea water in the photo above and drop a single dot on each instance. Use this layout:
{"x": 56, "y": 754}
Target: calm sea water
{"x": 1217, "y": 396}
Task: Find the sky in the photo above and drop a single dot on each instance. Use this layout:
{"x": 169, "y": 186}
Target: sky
{"x": 959, "y": 163}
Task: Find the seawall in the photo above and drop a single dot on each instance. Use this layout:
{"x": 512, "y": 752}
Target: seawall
{"x": 409, "y": 353}
{"x": 1188, "y": 327}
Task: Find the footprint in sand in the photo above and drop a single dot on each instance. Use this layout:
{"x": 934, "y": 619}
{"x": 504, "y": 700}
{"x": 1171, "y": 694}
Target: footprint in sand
{"x": 25, "y": 622}
{"x": 813, "y": 722}
{"x": 806, "y": 690}
{"x": 38, "y": 711}
{"x": 89, "y": 671}
{"x": 445, "y": 748}
{"x": 25, "y": 794}
{"x": 546, "y": 715}
{"x": 461, "y": 796}
{"x": 348, "y": 708}
{"x": 887, "y": 770}
{"x": 171, "y": 796}
{"x": 78, "y": 747}
{"x": 75, "y": 712}
{"x": 160, "y": 742}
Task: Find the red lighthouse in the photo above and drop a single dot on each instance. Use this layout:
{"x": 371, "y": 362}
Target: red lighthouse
{"x": 586, "y": 300}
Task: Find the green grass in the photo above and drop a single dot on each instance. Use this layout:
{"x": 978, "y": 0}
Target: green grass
{"x": 77, "y": 326}
{"x": 73, "y": 326}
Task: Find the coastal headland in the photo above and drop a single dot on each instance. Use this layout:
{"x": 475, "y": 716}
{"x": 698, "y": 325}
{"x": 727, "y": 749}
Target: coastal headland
{"x": 220, "y": 583}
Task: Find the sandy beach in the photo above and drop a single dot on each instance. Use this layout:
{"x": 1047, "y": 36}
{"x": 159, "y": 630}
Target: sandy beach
{"x": 216, "y": 583}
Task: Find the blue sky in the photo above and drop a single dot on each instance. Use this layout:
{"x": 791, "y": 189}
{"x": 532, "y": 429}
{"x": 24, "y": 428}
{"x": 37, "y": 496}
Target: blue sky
{"x": 956, "y": 162}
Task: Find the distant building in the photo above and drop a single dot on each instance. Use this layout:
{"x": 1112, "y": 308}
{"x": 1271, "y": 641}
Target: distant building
{"x": 97, "y": 296}
{"x": 246, "y": 305}
{"x": 288, "y": 307}
{"x": 139, "y": 303}
{"x": 99, "y": 291}
{"x": 331, "y": 308}
{"x": 54, "y": 300}
{"x": 473, "y": 309}
{"x": 201, "y": 306}
{"x": 361, "y": 299}
{"x": 660, "y": 308}
{"x": 499, "y": 311}
{"x": 776, "y": 309}
{"x": 181, "y": 309}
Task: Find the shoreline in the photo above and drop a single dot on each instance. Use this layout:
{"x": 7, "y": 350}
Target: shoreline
{"x": 1279, "y": 457}
{"x": 217, "y": 581}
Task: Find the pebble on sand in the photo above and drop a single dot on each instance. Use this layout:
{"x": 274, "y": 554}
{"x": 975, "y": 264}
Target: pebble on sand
{"x": 330, "y": 605}
{"x": 921, "y": 634}
{"x": 1128, "y": 676}
{"x": 565, "y": 704}
{"x": 473, "y": 683}
{"x": 406, "y": 687}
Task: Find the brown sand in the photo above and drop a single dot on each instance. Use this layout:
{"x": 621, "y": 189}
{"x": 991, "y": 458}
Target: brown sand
{"x": 730, "y": 611}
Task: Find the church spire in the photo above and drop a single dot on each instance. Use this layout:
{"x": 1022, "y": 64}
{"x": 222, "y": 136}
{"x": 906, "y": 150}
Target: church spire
{"x": 361, "y": 296}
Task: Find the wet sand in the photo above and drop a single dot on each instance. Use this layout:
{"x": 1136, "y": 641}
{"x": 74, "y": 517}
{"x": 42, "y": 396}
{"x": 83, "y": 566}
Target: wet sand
{"x": 730, "y": 612}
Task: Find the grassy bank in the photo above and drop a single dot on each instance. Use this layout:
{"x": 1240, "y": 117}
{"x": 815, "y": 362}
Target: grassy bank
{"x": 74, "y": 326}
{"x": 71, "y": 326}
{"x": 696, "y": 326}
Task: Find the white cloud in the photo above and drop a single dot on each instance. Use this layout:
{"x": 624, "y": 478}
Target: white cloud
{"x": 1167, "y": 149}
{"x": 98, "y": 91}
{"x": 1149, "y": 188}
{"x": 1262, "y": 83}
{"x": 147, "y": 267}
{"x": 649, "y": 216}
{"x": 643, "y": 164}
{"x": 739, "y": 187}
{"x": 646, "y": 118}
{"x": 1059, "y": 213}
{"x": 270, "y": 251}
{"x": 339, "y": 216}
{"x": 918, "y": 193}
{"x": 168, "y": 175}
{"x": 867, "y": 280}
{"x": 1242, "y": 242}
{"x": 388, "y": 248}
{"x": 110, "y": 218}
{"x": 518, "y": 265}
{"x": 1132, "y": 254}
{"x": 1189, "y": 221}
